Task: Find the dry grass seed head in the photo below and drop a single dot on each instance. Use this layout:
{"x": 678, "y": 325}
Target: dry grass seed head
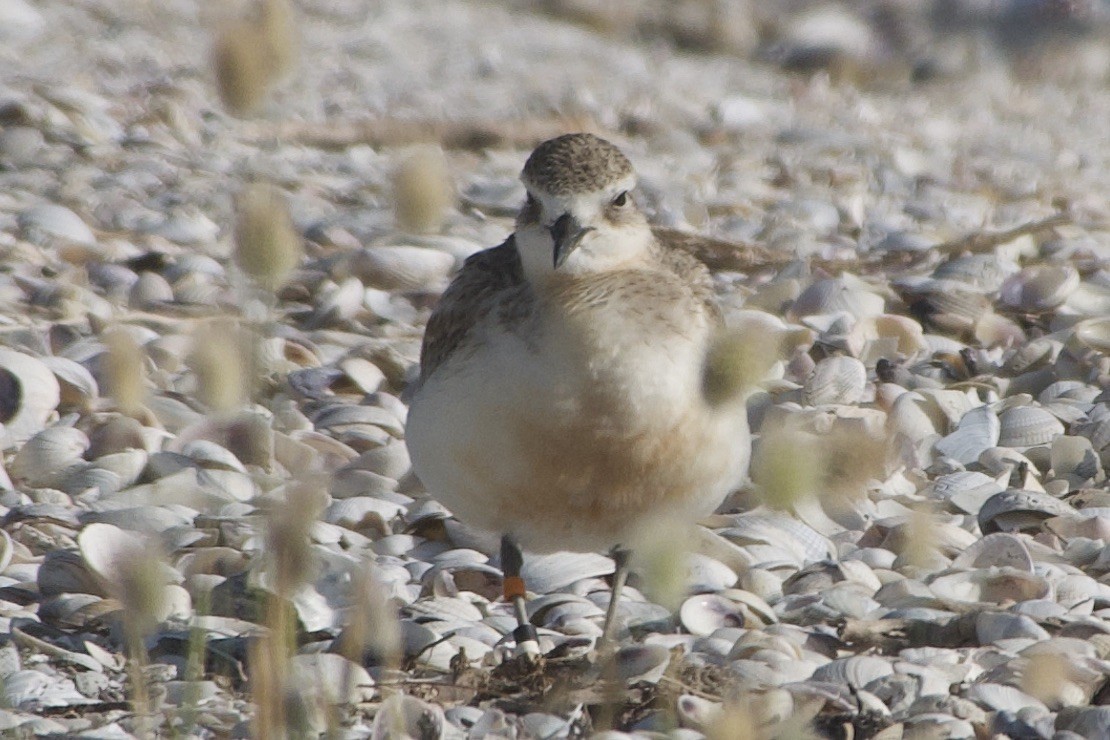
{"x": 660, "y": 559}
{"x": 124, "y": 371}
{"x": 242, "y": 75}
{"x": 737, "y": 361}
{"x": 288, "y": 546}
{"x": 141, "y": 589}
{"x": 1044, "y": 675}
{"x": 373, "y": 629}
{"x": 251, "y": 55}
{"x": 267, "y": 247}
{"x": 422, "y": 191}
{"x": 919, "y": 543}
{"x": 220, "y": 359}
{"x": 788, "y": 465}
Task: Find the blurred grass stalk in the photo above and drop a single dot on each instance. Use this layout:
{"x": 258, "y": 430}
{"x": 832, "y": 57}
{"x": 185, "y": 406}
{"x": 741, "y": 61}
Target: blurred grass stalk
{"x": 124, "y": 371}
{"x": 194, "y": 667}
{"x": 140, "y": 589}
{"x": 289, "y": 565}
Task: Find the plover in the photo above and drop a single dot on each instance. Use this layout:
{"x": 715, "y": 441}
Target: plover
{"x": 562, "y": 397}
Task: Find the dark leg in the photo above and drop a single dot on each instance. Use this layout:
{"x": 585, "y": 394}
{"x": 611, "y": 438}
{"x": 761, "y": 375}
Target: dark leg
{"x": 527, "y": 641}
{"x": 620, "y": 556}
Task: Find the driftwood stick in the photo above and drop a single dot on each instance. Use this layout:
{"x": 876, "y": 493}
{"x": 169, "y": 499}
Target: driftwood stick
{"x": 391, "y": 132}
{"x": 985, "y": 241}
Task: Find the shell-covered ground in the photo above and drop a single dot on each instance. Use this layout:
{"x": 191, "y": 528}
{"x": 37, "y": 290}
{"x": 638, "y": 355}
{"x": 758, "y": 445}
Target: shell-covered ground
{"x": 222, "y": 230}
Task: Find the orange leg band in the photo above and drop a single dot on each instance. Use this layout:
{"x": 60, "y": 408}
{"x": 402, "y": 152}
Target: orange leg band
{"x": 514, "y": 586}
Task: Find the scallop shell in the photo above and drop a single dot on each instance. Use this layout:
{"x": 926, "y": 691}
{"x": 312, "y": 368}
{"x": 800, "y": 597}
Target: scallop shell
{"x": 836, "y": 380}
{"x": 89, "y": 478}
{"x": 1075, "y": 457}
{"x": 103, "y": 546}
{"x": 1026, "y": 426}
{"x": 966, "y": 490}
{"x": 1012, "y": 511}
{"x": 1033, "y": 356}
{"x": 996, "y": 550}
{"x": 128, "y": 465}
{"x": 150, "y": 290}
{"x": 998, "y": 697}
{"x": 833, "y": 295}
{"x": 986, "y": 272}
{"x": 951, "y": 306}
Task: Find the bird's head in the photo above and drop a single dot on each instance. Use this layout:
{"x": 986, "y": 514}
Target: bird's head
{"x": 580, "y": 216}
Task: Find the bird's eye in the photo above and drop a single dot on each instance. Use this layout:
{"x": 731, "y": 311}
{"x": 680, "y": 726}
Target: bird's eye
{"x": 621, "y": 200}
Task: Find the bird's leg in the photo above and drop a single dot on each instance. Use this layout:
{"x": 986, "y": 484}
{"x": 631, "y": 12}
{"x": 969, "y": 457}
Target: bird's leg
{"x": 620, "y": 556}
{"x": 527, "y": 641}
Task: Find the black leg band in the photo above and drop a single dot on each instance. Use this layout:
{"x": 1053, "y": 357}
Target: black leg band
{"x": 526, "y": 633}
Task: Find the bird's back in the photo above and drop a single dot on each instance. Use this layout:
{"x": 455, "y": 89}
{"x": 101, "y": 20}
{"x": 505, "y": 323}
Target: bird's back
{"x": 488, "y": 281}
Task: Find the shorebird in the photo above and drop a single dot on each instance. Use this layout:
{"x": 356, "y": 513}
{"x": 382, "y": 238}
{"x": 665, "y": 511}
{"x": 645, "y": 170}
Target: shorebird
{"x": 565, "y": 394}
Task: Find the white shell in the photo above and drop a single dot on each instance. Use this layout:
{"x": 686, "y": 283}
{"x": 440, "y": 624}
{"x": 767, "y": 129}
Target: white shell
{"x": 401, "y": 715}
{"x": 332, "y": 678}
{"x": 996, "y": 586}
{"x": 104, "y": 546}
{"x": 546, "y": 573}
{"x": 641, "y": 663}
{"x": 856, "y": 671}
{"x": 402, "y": 268}
{"x": 1039, "y": 288}
{"x": 1094, "y": 333}
{"x": 978, "y": 431}
{"x": 1000, "y": 550}
{"x": 29, "y": 393}
{"x": 43, "y": 460}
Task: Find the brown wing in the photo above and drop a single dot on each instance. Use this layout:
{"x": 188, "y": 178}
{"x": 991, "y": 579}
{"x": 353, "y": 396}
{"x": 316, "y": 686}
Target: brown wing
{"x": 676, "y": 254}
{"x": 719, "y": 254}
{"x": 475, "y": 291}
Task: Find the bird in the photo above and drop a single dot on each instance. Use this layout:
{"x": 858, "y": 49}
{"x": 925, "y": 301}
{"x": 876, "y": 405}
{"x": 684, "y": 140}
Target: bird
{"x": 566, "y": 393}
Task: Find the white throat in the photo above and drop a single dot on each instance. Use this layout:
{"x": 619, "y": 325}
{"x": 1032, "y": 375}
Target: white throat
{"x": 607, "y": 245}
{"x": 602, "y": 249}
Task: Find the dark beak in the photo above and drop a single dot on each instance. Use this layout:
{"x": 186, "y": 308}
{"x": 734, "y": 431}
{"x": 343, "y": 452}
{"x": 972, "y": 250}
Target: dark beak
{"x": 567, "y": 234}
